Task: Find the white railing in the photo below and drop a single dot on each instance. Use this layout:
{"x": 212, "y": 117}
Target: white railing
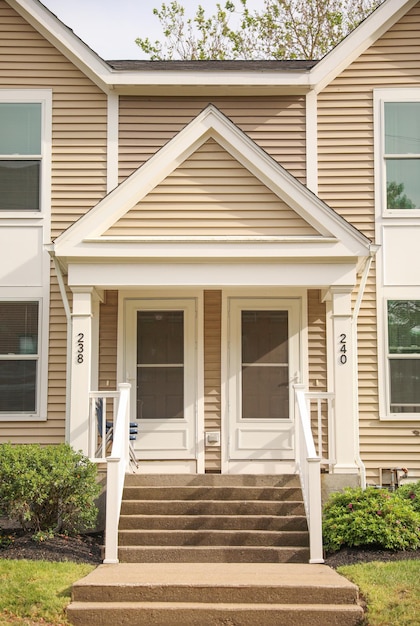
{"x": 103, "y": 407}
{"x": 309, "y": 468}
{"x": 321, "y": 411}
{"x": 119, "y": 458}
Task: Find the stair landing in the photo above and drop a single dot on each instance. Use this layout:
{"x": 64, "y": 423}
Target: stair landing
{"x": 238, "y": 594}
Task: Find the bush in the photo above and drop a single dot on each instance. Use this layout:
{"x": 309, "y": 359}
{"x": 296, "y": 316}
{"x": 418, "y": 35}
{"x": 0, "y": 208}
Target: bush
{"x": 410, "y": 492}
{"x": 373, "y": 517}
{"x": 48, "y": 489}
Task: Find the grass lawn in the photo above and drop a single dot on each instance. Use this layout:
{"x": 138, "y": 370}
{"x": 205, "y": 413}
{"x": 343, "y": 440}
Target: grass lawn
{"x": 36, "y": 592}
{"x": 391, "y": 590}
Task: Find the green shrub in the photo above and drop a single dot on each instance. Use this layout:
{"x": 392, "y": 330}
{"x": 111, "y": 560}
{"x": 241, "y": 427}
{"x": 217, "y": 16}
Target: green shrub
{"x": 373, "y": 517}
{"x": 410, "y": 492}
{"x": 48, "y": 489}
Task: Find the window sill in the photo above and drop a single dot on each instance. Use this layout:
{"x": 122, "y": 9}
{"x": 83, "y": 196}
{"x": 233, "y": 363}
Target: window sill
{"x": 21, "y": 417}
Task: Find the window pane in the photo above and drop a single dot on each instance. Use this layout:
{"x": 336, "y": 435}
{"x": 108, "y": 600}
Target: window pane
{"x": 403, "y": 183}
{"x": 265, "y": 392}
{"x": 19, "y": 184}
{"x": 20, "y": 128}
{"x": 405, "y": 385}
{"x": 160, "y": 392}
{"x": 264, "y": 336}
{"x": 404, "y": 326}
{"x": 402, "y": 127}
{"x": 18, "y": 386}
{"x": 160, "y": 337}
{"x": 18, "y": 328}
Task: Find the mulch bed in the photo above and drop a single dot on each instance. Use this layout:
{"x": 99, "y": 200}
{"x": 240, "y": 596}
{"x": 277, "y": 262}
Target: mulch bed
{"x": 80, "y": 549}
{"x": 88, "y": 549}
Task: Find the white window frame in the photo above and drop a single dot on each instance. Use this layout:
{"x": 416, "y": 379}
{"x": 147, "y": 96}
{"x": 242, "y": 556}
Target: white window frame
{"x": 41, "y": 217}
{"x": 40, "y": 413}
{"x": 385, "y": 218}
{"x": 382, "y": 96}
{"x": 383, "y": 362}
{"x": 43, "y": 97}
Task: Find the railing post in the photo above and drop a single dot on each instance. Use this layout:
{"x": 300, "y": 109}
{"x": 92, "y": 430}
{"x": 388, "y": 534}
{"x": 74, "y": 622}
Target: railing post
{"x": 112, "y": 520}
{"x": 315, "y": 507}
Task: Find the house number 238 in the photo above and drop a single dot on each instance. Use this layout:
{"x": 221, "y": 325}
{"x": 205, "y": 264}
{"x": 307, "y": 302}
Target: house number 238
{"x": 343, "y": 348}
{"x": 80, "y": 347}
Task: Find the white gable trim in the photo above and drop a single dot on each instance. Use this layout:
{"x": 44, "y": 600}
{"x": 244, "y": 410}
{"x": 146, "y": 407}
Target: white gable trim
{"x": 211, "y": 123}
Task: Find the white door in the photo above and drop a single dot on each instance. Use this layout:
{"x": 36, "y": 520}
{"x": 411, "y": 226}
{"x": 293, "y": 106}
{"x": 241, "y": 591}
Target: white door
{"x": 160, "y": 355}
{"x": 263, "y": 363}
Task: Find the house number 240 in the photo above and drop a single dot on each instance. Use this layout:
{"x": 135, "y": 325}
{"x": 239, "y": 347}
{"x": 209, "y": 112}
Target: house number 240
{"x": 80, "y": 347}
{"x": 343, "y": 348}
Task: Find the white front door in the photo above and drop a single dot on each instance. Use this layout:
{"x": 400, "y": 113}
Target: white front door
{"x": 262, "y": 364}
{"x": 161, "y": 365}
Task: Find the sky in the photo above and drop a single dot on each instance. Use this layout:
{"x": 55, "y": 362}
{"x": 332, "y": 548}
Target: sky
{"x": 110, "y": 27}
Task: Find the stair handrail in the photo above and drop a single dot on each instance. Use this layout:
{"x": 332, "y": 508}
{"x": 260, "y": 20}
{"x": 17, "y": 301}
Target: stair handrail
{"x": 117, "y": 466}
{"x": 309, "y": 469}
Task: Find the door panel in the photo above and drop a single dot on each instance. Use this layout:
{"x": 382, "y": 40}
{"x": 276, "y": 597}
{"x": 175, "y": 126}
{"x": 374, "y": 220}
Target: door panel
{"x": 161, "y": 365}
{"x": 263, "y": 362}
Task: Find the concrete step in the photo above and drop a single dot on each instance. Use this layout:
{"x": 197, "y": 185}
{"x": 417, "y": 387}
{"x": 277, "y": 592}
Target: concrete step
{"x": 233, "y": 583}
{"x": 237, "y": 594}
{"x": 213, "y": 493}
{"x": 220, "y": 522}
{"x": 192, "y": 614}
{"x": 227, "y": 480}
{"x": 212, "y": 538}
{"x": 205, "y": 507}
{"x": 213, "y": 554}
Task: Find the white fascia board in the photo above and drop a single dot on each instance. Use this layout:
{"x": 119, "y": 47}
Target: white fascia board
{"x": 358, "y": 41}
{"x": 328, "y": 251}
{"x": 228, "y": 78}
{"x": 135, "y": 275}
{"x": 63, "y": 38}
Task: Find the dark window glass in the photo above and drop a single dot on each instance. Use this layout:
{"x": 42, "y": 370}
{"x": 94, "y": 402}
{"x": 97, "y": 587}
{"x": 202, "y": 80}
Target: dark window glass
{"x": 160, "y": 364}
{"x": 18, "y": 356}
{"x": 19, "y": 185}
{"x": 404, "y": 355}
{"x": 265, "y": 365}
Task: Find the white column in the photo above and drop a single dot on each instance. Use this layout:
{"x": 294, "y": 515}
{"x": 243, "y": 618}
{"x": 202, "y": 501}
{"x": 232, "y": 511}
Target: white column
{"x": 345, "y": 381}
{"x": 81, "y": 360}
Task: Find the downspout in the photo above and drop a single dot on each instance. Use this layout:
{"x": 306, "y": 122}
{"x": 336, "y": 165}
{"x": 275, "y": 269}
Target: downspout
{"x": 368, "y": 263}
{"x": 67, "y": 311}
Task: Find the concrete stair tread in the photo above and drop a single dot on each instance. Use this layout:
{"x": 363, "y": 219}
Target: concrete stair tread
{"x": 191, "y": 614}
{"x": 214, "y": 554}
{"x": 221, "y": 522}
{"x": 213, "y": 537}
{"x": 303, "y": 575}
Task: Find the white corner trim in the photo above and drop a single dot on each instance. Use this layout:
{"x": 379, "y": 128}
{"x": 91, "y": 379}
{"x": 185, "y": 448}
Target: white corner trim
{"x": 112, "y": 142}
{"x": 312, "y": 141}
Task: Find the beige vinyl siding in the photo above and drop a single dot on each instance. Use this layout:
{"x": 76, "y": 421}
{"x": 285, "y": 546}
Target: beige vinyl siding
{"x": 108, "y": 328}
{"x": 346, "y": 182}
{"x": 212, "y": 374}
{"x": 79, "y": 129}
{"x": 277, "y": 124}
{"x": 211, "y": 194}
